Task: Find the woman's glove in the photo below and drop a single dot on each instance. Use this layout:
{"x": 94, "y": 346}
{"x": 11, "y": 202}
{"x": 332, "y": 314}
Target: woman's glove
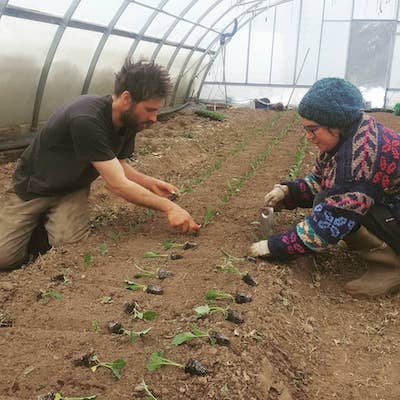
{"x": 276, "y": 195}
{"x": 259, "y": 249}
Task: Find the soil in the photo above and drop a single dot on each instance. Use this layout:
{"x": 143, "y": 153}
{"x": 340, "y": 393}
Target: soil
{"x": 303, "y": 338}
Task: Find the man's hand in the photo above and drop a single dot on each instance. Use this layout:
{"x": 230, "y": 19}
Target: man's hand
{"x": 275, "y": 197}
{"x": 259, "y": 249}
{"x": 161, "y": 188}
{"x": 181, "y": 219}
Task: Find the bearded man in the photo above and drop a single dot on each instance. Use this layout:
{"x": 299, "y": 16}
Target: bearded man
{"x": 85, "y": 138}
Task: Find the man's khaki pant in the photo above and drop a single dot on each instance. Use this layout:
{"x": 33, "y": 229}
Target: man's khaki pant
{"x": 66, "y": 221}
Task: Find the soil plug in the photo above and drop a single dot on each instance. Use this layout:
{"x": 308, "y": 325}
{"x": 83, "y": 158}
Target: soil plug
{"x": 163, "y": 274}
{"x": 234, "y": 317}
{"x": 152, "y": 289}
{"x": 189, "y": 245}
{"x": 86, "y": 360}
{"x": 218, "y": 338}
{"x": 175, "y": 256}
{"x": 249, "y": 280}
{"x": 115, "y": 327}
{"x": 241, "y": 298}
{"x": 192, "y": 367}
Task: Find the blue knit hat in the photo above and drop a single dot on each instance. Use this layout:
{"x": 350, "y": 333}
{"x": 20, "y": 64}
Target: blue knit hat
{"x": 332, "y": 102}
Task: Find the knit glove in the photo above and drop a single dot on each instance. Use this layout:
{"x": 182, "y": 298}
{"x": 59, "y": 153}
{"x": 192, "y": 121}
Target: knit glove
{"x": 275, "y": 197}
{"x": 259, "y": 249}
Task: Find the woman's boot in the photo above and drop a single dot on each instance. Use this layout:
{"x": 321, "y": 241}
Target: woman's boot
{"x": 383, "y": 265}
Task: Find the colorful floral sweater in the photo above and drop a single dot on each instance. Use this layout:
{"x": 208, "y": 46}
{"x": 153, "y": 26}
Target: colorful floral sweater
{"x": 363, "y": 171}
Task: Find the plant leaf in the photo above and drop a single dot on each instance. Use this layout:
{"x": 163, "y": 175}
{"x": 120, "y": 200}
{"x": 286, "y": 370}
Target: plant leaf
{"x": 149, "y": 315}
{"x": 133, "y": 285}
{"x": 167, "y": 244}
{"x": 183, "y": 338}
{"x": 151, "y": 254}
{"x": 155, "y": 361}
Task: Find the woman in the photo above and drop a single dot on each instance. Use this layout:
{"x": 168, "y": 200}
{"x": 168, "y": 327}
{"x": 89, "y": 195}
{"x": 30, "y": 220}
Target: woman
{"x": 354, "y": 189}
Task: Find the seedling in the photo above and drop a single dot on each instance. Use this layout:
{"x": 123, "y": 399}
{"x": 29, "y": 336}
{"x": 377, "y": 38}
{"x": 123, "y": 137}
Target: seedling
{"x": 230, "y": 268}
{"x": 134, "y": 309}
{"x": 152, "y": 289}
{"x": 192, "y": 367}
{"x": 169, "y": 244}
{"x": 150, "y": 396}
{"x": 213, "y": 337}
{"x": 113, "y": 236}
{"x": 103, "y": 249}
{"x": 59, "y": 396}
{"x": 214, "y": 115}
{"x": 115, "y": 366}
{"x": 229, "y": 315}
{"x": 116, "y": 327}
{"x": 96, "y": 326}
{"x": 153, "y": 254}
{"x": 160, "y": 273}
{"x": 43, "y": 294}
{"x": 87, "y": 259}
{"x": 61, "y": 278}
{"x": 210, "y": 214}
{"x": 211, "y": 295}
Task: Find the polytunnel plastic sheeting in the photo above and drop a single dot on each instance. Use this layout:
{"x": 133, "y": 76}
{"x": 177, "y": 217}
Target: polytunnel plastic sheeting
{"x": 76, "y": 46}
{"x": 301, "y": 41}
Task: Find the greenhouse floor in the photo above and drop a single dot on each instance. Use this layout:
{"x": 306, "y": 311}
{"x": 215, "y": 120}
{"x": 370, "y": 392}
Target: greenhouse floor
{"x": 302, "y": 336}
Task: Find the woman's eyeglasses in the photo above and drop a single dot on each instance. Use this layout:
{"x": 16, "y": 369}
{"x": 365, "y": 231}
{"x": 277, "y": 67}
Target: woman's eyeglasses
{"x": 311, "y": 129}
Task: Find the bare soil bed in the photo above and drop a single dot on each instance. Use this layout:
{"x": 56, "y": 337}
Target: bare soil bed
{"x": 302, "y": 338}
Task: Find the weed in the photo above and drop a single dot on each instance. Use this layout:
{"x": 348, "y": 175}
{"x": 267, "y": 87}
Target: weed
{"x": 210, "y": 214}
{"x": 87, "y": 259}
{"x": 103, "y": 249}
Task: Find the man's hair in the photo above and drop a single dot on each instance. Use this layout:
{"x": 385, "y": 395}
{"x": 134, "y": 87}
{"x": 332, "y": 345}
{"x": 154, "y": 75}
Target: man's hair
{"x": 143, "y": 80}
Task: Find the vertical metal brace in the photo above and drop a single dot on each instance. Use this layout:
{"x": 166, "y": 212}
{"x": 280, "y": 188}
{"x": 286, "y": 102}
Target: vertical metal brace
{"x": 296, "y": 57}
{"x": 101, "y": 45}
{"x": 346, "y": 73}
{"x": 320, "y": 39}
{"x": 49, "y": 59}
{"x": 272, "y": 47}
{"x": 3, "y": 5}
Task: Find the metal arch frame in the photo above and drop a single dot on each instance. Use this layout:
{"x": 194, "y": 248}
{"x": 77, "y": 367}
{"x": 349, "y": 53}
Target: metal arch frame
{"x": 172, "y": 59}
{"x": 323, "y": 21}
{"x": 207, "y": 51}
{"x": 272, "y": 48}
{"x": 170, "y": 29}
{"x": 170, "y": 14}
{"x": 346, "y": 74}
{"x": 100, "y": 46}
{"x": 49, "y": 59}
{"x": 188, "y": 57}
{"x": 3, "y": 5}
{"x": 296, "y": 57}
{"x": 144, "y": 28}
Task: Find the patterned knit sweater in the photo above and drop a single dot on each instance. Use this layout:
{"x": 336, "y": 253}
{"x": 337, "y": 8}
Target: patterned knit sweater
{"x": 365, "y": 170}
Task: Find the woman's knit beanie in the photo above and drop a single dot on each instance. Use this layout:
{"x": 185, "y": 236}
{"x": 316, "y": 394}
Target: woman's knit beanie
{"x": 332, "y": 102}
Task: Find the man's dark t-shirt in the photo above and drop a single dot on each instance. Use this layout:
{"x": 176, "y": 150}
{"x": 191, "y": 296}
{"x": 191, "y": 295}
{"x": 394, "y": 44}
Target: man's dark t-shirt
{"x": 58, "y": 161}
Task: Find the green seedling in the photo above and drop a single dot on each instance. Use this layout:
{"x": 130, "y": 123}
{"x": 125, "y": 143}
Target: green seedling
{"x": 87, "y": 259}
{"x": 192, "y": 367}
{"x": 113, "y": 236}
{"x": 149, "y": 395}
{"x": 95, "y": 326}
{"x": 213, "y": 337}
{"x": 232, "y": 257}
{"x": 116, "y": 327}
{"x": 211, "y": 295}
{"x": 115, "y": 366}
{"x": 169, "y": 244}
{"x": 210, "y": 214}
{"x": 61, "y": 278}
{"x": 103, "y": 249}
{"x": 153, "y": 254}
{"x": 229, "y": 315}
{"x": 133, "y": 308}
{"x": 214, "y": 115}
{"x": 152, "y": 289}
{"x": 228, "y": 267}
{"x": 43, "y": 294}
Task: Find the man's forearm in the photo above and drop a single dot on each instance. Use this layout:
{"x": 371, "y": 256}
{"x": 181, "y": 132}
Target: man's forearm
{"x": 135, "y": 176}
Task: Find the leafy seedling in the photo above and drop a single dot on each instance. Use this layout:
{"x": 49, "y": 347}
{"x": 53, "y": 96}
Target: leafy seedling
{"x": 52, "y": 294}
{"x": 213, "y": 337}
{"x": 169, "y": 244}
{"x": 115, "y": 366}
{"x": 228, "y": 267}
{"x": 152, "y": 289}
{"x": 87, "y": 259}
{"x": 192, "y": 367}
{"x": 149, "y": 395}
{"x": 103, "y": 249}
{"x": 153, "y": 254}
{"x": 95, "y": 326}
{"x": 116, "y": 327}
{"x": 134, "y": 309}
{"x": 212, "y": 295}
{"x": 214, "y": 115}
{"x": 210, "y": 214}
{"x": 229, "y": 315}
{"x": 160, "y": 273}
{"x": 59, "y": 396}
{"x": 61, "y": 278}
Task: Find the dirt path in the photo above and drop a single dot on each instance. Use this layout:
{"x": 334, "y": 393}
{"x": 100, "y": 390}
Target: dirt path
{"x": 303, "y": 337}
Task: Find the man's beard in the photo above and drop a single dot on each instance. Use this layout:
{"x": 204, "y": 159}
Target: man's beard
{"x": 130, "y": 120}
